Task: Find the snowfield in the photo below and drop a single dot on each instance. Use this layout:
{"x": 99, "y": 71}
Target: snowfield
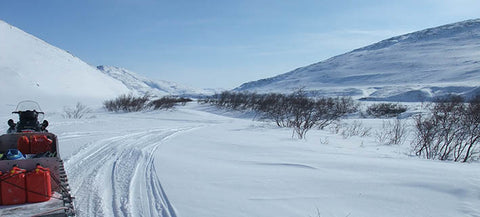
{"x": 197, "y": 161}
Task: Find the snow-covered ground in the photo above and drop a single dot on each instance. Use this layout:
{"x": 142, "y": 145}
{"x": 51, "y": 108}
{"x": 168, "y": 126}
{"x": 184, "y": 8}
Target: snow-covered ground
{"x": 202, "y": 162}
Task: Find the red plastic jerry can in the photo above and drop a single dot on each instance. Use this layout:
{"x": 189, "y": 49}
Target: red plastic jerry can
{"x": 40, "y": 144}
{"x": 39, "y": 185}
{"x": 23, "y": 145}
{"x": 13, "y": 187}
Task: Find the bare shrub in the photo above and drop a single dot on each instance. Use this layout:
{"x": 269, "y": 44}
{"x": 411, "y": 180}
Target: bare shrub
{"x": 450, "y": 132}
{"x": 470, "y": 149}
{"x": 80, "y": 111}
{"x": 302, "y": 114}
{"x": 329, "y": 110}
{"x": 386, "y": 110}
{"x": 336, "y": 127}
{"x": 295, "y": 110}
{"x": 274, "y": 107}
{"x": 425, "y": 135}
{"x": 393, "y": 132}
{"x": 168, "y": 102}
{"x": 355, "y": 129}
{"x": 127, "y": 103}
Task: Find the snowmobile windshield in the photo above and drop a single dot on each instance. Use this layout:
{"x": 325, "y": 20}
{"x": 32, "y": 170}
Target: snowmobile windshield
{"x": 28, "y": 105}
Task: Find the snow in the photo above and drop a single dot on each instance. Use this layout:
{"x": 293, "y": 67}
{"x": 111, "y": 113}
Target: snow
{"x": 204, "y": 162}
{"x": 32, "y": 69}
{"x": 200, "y": 161}
{"x": 441, "y": 58}
{"x": 22, "y": 210}
{"x": 140, "y": 85}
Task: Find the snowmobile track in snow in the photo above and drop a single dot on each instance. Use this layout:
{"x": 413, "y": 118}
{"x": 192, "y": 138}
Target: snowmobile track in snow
{"x": 126, "y": 164}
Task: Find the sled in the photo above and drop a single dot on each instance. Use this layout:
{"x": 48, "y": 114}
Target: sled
{"x": 24, "y": 175}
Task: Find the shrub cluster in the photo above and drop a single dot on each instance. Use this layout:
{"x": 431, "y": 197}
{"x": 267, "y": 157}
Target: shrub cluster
{"x": 168, "y": 102}
{"x": 450, "y": 132}
{"x": 127, "y": 103}
{"x": 387, "y": 110}
{"x": 295, "y": 110}
{"x": 130, "y": 103}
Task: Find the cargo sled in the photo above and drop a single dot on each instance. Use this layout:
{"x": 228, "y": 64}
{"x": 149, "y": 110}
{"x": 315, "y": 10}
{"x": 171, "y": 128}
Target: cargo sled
{"x": 33, "y": 181}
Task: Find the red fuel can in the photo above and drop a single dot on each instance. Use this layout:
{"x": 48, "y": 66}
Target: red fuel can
{"x": 23, "y": 145}
{"x": 13, "y": 187}
{"x": 39, "y": 185}
{"x": 40, "y": 144}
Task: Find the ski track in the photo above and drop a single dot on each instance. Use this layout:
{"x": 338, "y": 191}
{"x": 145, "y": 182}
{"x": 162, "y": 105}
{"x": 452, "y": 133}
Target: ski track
{"x": 126, "y": 164}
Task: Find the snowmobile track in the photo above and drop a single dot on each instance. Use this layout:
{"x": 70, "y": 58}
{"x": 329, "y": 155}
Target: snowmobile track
{"x": 126, "y": 163}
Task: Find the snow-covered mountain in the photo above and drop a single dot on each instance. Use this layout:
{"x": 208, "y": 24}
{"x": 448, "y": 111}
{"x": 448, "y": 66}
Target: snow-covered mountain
{"x": 411, "y": 67}
{"x": 30, "y": 68}
{"x": 138, "y": 84}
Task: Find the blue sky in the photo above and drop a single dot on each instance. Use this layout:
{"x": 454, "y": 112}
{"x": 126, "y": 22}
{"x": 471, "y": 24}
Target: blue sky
{"x": 223, "y": 43}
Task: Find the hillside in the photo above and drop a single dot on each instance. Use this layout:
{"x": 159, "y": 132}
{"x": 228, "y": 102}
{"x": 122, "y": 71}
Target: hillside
{"x": 411, "y": 67}
{"x": 33, "y": 69}
{"x": 141, "y": 85}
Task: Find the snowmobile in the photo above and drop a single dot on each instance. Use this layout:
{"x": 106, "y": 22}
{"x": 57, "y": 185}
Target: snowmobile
{"x": 33, "y": 180}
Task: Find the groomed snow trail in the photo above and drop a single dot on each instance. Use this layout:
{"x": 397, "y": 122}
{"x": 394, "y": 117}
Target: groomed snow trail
{"x": 126, "y": 165}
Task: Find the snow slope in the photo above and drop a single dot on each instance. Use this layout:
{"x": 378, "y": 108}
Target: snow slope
{"x": 33, "y": 69}
{"x": 409, "y": 67}
{"x": 200, "y": 161}
{"x": 142, "y": 85}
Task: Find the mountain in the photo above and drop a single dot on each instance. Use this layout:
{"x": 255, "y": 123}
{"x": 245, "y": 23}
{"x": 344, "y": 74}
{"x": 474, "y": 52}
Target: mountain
{"x": 141, "y": 85}
{"x": 410, "y": 67}
{"x": 33, "y": 69}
